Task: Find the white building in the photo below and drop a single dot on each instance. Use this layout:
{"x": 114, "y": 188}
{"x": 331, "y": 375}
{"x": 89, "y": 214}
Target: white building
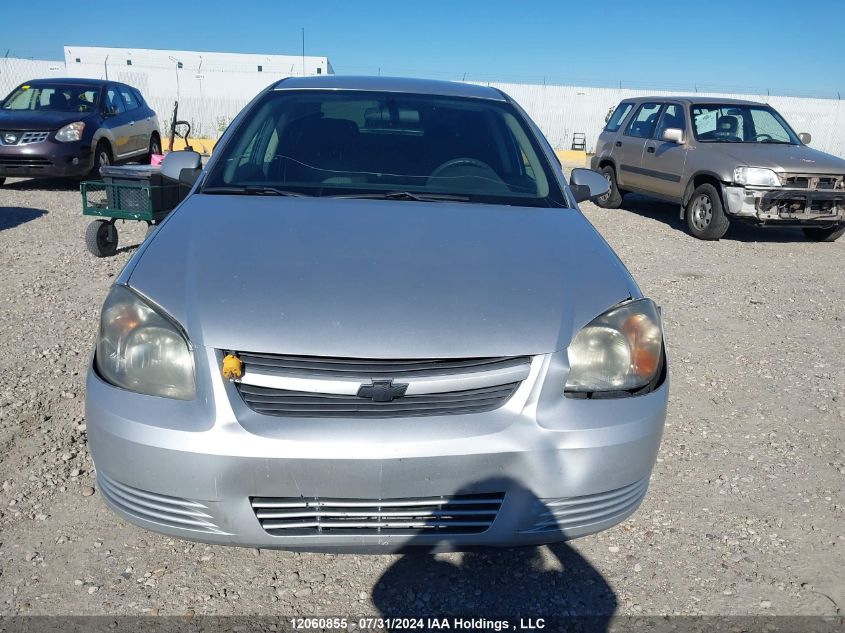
{"x": 211, "y": 87}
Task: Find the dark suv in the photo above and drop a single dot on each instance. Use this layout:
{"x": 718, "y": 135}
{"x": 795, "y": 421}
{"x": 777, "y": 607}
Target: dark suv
{"x": 71, "y": 127}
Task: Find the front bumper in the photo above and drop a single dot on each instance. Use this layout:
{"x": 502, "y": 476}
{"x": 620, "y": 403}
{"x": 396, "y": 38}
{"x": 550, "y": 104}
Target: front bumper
{"x": 784, "y": 206}
{"x": 46, "y": 159}
{"x": 189, "y": 469}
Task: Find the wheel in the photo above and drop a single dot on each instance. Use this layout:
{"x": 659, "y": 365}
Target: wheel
{"x": 155, "y": 148}
{"x": 829, "y": 234}
{"x": 613, "y": 198}
{"x": 101, "y": 238}
{"x": 706, "y": 218}
{"x": 102, "y": 158}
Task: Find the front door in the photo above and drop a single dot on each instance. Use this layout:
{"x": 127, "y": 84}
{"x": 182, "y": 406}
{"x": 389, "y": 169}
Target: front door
{"x": 117, "y": 121}
{"x": 663, "y": 162}
{"x": 630, "y": 146}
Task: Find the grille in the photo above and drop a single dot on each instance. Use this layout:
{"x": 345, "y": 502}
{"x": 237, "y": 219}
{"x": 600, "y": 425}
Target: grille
{"x": 461, "y": 514}
{"x": 24, "y": 161}
{"x": 285, "y": 403}
{"x": 573, "y": 512}
{"x": 24, "y": 138}
{"x": 368, "y": 368}
{"x": 814, "y": 181}
{"x": 173, "y": 512}
{"x": 29, "y": 138}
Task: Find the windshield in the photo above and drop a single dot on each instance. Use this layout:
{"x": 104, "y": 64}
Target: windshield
{"x": 325, "y": 143}
{"x": 714, "y": 123}
{"x": 53, "y": 98}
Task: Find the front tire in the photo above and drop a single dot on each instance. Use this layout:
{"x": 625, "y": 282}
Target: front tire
{"x": 613, "y": 198}
{"x": 706, "y": 218}
{"x": 101, "y": 238}
{"x": 102, "y": 158}
{"x": 830, "y": 234}
{"x": 155, "y": 148}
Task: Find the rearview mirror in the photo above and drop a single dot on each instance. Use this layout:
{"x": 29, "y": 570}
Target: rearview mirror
{"x": 587, "y": 184}
{"x": 805, "y": 137}
{"x": 673, "y": 135}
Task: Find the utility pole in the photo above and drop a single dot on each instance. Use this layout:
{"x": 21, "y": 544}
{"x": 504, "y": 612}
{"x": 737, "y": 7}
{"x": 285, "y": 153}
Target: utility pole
{"x": 106, "y": 66}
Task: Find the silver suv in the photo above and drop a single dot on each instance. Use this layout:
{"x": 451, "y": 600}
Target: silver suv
{"x": 721, "y": 159}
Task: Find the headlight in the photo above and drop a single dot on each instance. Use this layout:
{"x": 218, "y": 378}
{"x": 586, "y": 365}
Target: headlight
{"x": 620, "y": 350}
{"x": 756, "y": 176}
{"x": 70, "y": 132}
{"x": 141, "y": 350}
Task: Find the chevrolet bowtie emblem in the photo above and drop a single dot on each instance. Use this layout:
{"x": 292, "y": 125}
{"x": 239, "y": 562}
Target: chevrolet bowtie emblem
{"x": 382, "y": 391}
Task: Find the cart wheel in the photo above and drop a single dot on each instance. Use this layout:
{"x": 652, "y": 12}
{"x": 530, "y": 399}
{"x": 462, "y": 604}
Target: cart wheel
{"x": 101, "y": 238}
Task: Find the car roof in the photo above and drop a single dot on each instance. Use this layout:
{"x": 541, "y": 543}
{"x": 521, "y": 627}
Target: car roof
{"x": 390, "y": 84}
{"x": 69, "y": 81}
{"x": 689, "y": 99}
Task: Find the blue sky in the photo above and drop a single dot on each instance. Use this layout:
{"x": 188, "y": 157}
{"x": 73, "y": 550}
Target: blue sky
{"x": 785, "y": 46}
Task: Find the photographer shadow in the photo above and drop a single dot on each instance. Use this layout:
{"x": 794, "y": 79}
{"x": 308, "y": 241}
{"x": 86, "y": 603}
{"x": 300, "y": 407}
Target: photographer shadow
{"x": 551, "y": 581}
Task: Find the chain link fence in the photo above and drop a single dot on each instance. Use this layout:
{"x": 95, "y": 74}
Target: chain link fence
{"x": 209, "y": 98}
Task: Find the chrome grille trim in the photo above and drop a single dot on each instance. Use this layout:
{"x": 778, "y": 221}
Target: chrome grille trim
{"x": 24, "y": 138}
{"x": 463, "y": 514}
{"x": 569, "y": 513}
{"x": 370, "y": 367}
{"x": 29, "y": 138}
{"x": 173, "y": 512}
{"x": 304, "y": 386}
{"x": 286, "y": 403}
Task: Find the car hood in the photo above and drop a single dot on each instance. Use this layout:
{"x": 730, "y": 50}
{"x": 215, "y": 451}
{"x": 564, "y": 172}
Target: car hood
{"x": 783, "y": 158}
{"x": 38, "y": 120}
{"x": 378, "y": 279}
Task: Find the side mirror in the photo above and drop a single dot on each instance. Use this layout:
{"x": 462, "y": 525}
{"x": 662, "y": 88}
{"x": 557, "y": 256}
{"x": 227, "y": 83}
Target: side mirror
{"x": 673, "y": 135}
{"x": 175, "y": 162}
{"x": 587, "y": 184}
{"x": 805, "y": 137}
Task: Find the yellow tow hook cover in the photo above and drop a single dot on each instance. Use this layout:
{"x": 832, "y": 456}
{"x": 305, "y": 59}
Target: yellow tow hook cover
{"x": 232, "y": 367}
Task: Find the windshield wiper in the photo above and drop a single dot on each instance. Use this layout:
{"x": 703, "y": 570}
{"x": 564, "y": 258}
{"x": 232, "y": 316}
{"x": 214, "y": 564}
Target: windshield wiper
{"x": 255, "y": 190}
{"x": 407, "y": 195}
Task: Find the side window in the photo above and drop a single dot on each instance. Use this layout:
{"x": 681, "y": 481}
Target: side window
{"x": 129, "y": 100}
{"x": 138, "y": 97}
{"x": 642, "y": 125}
{"x": 619, "y": 114}
{"x": 114, "y": 102}
{"x": 673, "y": 116}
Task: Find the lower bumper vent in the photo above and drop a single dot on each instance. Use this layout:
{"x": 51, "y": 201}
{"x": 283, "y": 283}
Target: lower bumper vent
{"x": 575, "y": 512}
{"x": 173, "y": 512}
{"x": 462, "y": 514}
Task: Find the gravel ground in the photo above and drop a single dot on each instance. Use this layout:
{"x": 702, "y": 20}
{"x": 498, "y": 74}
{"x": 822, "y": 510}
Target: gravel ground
{"x": 744, "y": 516}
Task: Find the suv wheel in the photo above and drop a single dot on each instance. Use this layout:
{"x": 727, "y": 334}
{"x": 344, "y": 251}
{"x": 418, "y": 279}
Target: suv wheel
{"x": 613, "y": 198}
{"x": 830, "y": 234}
{"x": 706, "y": 218}
{"x": 102, "y": 158}
{"x": 155, "y": 148}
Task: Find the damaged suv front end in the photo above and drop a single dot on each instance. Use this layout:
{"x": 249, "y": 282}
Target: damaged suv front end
{"x": 805, "y": 199}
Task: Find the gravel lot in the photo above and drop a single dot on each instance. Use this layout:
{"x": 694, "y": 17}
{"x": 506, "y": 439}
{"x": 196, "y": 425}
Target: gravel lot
{"x": 744, "y": 516}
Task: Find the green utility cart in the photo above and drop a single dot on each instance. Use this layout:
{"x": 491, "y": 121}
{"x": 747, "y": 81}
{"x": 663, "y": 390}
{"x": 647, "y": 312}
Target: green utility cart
{"x": 127, "y": 192}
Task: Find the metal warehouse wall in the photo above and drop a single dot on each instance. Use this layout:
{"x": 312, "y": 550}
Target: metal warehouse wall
{"x": 560, "y": 111}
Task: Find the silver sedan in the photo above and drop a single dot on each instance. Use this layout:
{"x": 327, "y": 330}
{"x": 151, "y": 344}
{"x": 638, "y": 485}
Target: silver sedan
{"x": 378, "y": 320}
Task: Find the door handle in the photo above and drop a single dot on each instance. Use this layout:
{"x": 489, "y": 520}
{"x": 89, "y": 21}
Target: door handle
{"x": 650, "y": 150}
{"x": 132, "y": 123}
{"x": 618, "y": 143}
